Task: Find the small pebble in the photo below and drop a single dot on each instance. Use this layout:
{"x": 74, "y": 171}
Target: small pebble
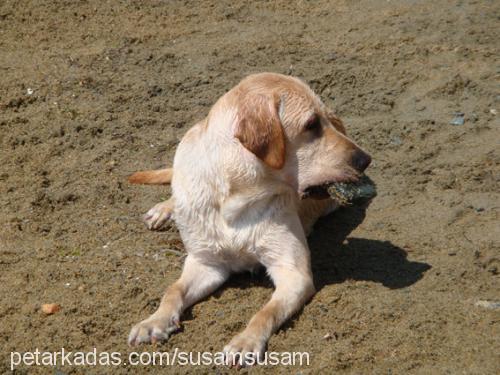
{"x": 458, "y": 119}
{"x": 50, "y": 308}
{"x": 493, "y": 111}
{"x": 396, "y": 141}
{"x": 331, "y": 56}
{"x": 488, "y": 305}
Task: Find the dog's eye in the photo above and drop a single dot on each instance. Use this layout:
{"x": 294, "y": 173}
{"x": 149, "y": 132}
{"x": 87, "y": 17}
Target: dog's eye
{"x": 314, "y": 124}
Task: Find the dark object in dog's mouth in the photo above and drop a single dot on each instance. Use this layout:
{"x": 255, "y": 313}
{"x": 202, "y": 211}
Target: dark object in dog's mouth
{"x": 346, "y": 193}
{"x": 316, "y": 192}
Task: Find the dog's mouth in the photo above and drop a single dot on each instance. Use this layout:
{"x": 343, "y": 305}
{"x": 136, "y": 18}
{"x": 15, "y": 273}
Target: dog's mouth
{"x": 316, "y": 192}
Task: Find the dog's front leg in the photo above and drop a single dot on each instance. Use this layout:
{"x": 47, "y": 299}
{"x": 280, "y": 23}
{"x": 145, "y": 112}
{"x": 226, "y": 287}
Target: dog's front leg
{"x": 199, "y": 278}
{"x": 289, "y": 268}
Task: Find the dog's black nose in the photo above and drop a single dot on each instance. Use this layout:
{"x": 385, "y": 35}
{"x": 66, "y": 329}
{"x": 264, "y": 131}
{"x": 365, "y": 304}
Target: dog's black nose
{"x": 361, "y": 160}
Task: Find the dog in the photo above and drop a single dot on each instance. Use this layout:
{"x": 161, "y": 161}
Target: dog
{"x": 248, "y": 183}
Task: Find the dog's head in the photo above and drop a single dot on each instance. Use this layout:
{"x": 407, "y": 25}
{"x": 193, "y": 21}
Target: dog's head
{"x": 284, "y": 124}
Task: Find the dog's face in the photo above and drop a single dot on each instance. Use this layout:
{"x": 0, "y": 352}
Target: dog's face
{"x": 287, "y": 126}
{"x": 318, "y": 150}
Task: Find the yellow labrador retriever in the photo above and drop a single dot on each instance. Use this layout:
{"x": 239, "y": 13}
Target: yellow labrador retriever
{"x": 248, "y": 183}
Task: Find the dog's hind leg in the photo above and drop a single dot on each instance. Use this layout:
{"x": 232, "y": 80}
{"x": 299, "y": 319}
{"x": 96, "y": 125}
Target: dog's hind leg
{"x": 196, "y": 282}
{"x": 157, "y": 216}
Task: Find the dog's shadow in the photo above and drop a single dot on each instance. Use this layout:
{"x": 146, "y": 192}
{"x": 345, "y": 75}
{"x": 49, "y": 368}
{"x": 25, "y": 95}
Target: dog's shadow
{"x": 336, "y": 257}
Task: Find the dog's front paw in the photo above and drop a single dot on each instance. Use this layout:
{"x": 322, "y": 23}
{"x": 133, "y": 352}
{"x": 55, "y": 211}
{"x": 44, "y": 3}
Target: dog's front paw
{"x": 158, "y": 216}
{"x": 244, "y": 350}
{"x": 153, "y": 329}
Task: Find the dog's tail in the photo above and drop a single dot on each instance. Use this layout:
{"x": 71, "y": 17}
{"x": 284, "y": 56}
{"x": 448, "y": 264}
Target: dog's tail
{"x": 156, "y": 177}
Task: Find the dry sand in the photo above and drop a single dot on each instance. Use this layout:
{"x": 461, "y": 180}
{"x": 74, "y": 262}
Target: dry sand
{"x": 91, "y": 91}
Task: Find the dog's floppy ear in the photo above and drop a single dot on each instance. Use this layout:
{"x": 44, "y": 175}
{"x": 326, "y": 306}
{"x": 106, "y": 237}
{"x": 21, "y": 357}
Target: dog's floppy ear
{"x": 259, "y": 129}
